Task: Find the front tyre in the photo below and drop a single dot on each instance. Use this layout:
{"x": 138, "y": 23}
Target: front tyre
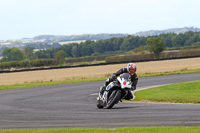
{"x": 113, "y": 98}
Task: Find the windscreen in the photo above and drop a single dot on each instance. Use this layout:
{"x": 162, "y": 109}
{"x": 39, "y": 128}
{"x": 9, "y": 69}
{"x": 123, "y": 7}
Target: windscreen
{"x": 126, "y": 76}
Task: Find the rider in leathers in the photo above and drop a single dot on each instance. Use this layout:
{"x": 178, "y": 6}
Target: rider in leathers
{"x": 131, "y": 69}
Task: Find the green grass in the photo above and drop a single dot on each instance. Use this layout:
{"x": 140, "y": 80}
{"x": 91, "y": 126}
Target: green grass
{"x": 186, "y": 92}
{"x": 118, "y": 130}
{"x": 2, "y": 87}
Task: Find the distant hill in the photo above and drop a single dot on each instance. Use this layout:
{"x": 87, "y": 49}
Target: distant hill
{"x": 62, "y": 38}
{"x": 174, "y": 30}
{"x": 78, "y": 37}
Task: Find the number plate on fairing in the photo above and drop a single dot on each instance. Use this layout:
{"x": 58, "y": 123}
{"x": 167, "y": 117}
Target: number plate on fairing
{"x": 109, "y": 86}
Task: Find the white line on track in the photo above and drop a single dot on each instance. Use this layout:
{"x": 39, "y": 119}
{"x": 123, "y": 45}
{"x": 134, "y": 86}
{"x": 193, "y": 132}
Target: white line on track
{"x": 94, "y": 94}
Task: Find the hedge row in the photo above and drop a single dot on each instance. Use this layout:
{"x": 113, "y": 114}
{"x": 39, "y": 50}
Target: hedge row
{"x": 111, "y": 59}
{"x": 26, "y": 63}
{"x": 146, "y": 57}
{"x": 87, "y": 59}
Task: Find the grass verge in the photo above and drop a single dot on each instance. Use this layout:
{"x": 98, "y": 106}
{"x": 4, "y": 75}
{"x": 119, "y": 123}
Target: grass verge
{"x": 2, "y": 87}
{"x": 118, "y": 130}
{"x": 185, "y": 92}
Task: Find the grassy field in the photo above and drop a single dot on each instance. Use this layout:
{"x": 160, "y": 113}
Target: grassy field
{"x": 118, "y": 130}
{"x": 42, "y": 83}
{"x": 3, "y": 87}
{"x": 186, "y": 92}
{"x": 67, "y": 74}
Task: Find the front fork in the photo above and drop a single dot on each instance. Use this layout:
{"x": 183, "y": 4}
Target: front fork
{"x": 104, "y": 98}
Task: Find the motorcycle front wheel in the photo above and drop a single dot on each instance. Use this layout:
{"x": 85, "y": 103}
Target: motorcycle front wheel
{"x": 113, "y": 98}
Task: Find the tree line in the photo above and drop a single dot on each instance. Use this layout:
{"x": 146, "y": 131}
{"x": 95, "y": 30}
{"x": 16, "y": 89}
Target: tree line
{"x": 92, "y": 48}
{"x": 123, "y": 44}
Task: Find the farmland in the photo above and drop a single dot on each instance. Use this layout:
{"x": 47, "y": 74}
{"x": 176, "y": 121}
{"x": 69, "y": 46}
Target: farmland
{"x": 97, "y": 71}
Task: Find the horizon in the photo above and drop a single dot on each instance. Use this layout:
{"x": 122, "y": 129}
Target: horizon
{"x": 98, "y": 33}
{"x": 30, "y": 18}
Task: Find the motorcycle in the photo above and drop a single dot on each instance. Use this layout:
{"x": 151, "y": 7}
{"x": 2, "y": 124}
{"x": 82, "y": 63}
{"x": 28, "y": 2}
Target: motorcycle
{"x": 115, "y": 91}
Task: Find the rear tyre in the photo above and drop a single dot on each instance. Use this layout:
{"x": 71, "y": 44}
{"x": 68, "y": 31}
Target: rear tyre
{"x": 113, "y": 98}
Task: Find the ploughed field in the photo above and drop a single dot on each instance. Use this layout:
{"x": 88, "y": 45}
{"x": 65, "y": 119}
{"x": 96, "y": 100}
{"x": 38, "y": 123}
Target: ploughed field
{"x": 97, "y": 71}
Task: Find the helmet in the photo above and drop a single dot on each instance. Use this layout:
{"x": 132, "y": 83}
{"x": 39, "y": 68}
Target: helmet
{"x": 131, "y": 67}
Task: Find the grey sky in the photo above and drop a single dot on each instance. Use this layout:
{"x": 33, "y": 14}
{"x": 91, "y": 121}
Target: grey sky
{"x": 29, "y": 18}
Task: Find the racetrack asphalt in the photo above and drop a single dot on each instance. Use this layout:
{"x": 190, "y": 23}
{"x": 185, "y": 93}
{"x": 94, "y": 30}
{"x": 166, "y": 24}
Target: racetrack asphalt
{"x": 74, "y": 106}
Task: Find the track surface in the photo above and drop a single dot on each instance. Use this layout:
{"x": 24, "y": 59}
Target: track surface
{"x": 74, "y": 106}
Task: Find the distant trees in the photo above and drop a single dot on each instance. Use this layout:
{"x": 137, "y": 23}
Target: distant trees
{"x": 42, "y": 54}
{"x": 127, "y": 44}
{"x": 92, "y": 48}
{"x": 180, "y": 40}
{"x": 13, "y": 54}
{"x": 75, "y": 51}
{"x": 155, "y": 45}
{"x": 44, "y": 45}
{"x": 28, "y": 52}
{"x": 60, "y": 56}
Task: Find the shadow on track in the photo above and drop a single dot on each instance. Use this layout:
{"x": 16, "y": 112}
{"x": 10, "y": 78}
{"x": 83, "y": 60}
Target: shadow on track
{"x": 119, "y": 108}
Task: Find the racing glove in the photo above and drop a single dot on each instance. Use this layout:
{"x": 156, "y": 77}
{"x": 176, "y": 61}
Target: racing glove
{"x": 114, "y": 76}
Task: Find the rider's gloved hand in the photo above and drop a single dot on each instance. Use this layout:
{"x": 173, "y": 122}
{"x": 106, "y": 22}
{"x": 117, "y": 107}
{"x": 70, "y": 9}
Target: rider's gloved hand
{"x": 114, "y": 76}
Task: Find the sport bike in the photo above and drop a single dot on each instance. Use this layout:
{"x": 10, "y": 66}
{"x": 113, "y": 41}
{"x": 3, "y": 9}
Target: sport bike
{"x": 115, "y": 91}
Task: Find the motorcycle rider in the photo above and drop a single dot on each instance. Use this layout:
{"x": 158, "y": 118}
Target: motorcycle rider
{"x": 131, "y": 69}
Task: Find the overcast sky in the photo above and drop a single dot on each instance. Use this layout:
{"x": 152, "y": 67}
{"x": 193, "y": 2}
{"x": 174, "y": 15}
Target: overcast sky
{"x": 29, "y": 18}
